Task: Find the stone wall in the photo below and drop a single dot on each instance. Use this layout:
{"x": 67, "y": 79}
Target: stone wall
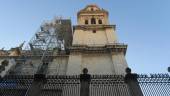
{"x": 119, "y": 62}
{"x": 97, "y": 63}
{"x": 100, "y": 37}
{"x": 58, "y": 66}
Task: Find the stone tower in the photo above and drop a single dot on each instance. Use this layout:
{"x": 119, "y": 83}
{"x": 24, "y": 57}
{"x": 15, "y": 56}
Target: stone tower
{"x": 95, "y": 45}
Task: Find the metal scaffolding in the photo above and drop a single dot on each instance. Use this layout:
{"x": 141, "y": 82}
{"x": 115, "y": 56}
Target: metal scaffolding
{"x": 51, "y": 38}
{"x": 47, "y": 38}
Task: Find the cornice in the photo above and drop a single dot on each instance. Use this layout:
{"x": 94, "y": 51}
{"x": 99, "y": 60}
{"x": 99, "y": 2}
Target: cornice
{"x": 99, "y": 49}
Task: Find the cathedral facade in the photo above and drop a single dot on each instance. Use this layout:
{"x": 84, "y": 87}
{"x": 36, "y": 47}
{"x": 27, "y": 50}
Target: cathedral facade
{"x": 94, "y": 46}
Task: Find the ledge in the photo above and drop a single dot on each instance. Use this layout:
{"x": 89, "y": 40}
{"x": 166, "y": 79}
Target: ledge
{"x": 96, "y": 26}
{"x": 117, "y": 47}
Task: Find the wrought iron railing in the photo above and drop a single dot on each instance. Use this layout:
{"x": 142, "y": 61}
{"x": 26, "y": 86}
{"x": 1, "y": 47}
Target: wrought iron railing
{"x": 100, "y": 85}
{"x": 155, "y": 84}
{"x": 108, "y": 85}
{"x": 61, "y": 86}
{"x": 15, "y": 85}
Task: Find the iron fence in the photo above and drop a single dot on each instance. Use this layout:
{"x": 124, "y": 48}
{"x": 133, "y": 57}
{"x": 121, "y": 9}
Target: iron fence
{"x": 15, "y": 85}
{"x": 155, "y": 84}
{"x": 100, "y": 85}
{"x": 61, "y": 86}
{"x": 108, "y": 85}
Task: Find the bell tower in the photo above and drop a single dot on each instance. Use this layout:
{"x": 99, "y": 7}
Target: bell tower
{"x": 95, "y": 45}
{"x": 92, "y": 15}
{"x": 93, "y": 27}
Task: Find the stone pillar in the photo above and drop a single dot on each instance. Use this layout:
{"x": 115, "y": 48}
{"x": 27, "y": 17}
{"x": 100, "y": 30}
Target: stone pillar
{"x": 85, "y": 83}
{"x": 111, "y": 35}
{"x": 168, "y": 69}
{"x": 74, "y": 64}
{"x": 133, "y": 85}
{"x": 35, "y": 89}
{"x": 119, "y": 63}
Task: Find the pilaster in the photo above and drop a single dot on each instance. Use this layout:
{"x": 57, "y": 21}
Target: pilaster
{"x": 74, "y": 64}
{"x": 119, "y": 63}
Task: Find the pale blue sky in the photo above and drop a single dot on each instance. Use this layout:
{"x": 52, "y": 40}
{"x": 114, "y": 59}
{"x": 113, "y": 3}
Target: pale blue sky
{"x": 142, "y": 24}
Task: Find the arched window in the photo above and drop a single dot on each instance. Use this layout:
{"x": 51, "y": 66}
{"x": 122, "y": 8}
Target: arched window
{"x": 86, "y": 22}
{"x": 100, "y": 21}
{"x": 93, "y": 21}
{"x": 92, "y": 9}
